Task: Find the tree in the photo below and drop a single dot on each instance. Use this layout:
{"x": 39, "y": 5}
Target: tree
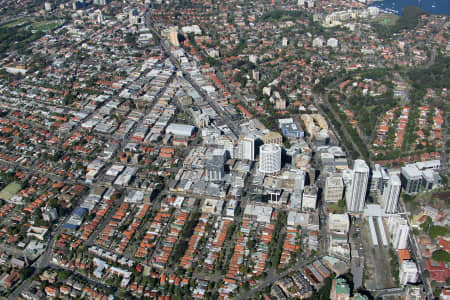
{"x": 441, "y": 256}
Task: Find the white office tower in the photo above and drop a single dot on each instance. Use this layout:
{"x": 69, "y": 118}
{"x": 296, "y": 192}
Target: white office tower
{"x": 246, "y": 148}
{"x": 355, "y": 194}
{"x": 391, "y": 194}
{"x": 269, "y": 158}
{"x": 408, "y": 272}
{"x": 398, "y": 230}
{"x": 334, "y": 189}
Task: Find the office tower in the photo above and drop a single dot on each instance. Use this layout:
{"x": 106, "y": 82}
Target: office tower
{"x": 246, "y": 148}
{"x": 391, "y": 194}
{"x": 355, "y": 194}
{"x": 334, "y": 189}
{"x": 270, "y": 158}
{"x": 398, "y": 230}
{"x": 411, "y": 178}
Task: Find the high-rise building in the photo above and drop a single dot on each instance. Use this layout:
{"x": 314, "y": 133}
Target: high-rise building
{"x": 411, "y": 178}
{"x": 376, "y": 181}
{"x": 391, "y": 194}
{"x": 408, "y": 272}
{"x": 269, "y": 158}
{"x": 215, "y": 165}
{"x": 398, "y": 230}
{"x": 246, "y": 148}
{"x": 334, "y": 189}
{"x": 299, "y": 186}
{"x": 356, "y": 190}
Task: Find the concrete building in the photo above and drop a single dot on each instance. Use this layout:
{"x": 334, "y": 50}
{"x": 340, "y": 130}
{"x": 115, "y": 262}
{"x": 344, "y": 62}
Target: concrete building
{"x": 272, "y": 138}
{"x": 260, "y": 213}
{"x": 290, "y": 129}
{"x": 299, "y": 186}
{"x": 376, "y": 181}
{"x": 340, "y": 290}
{"x": 180, "y": 129}
{"x": 398, "y": 230}
{"x": 391, "y": 194}
{"x": 408, "y": 272}
{"x": 173, "y": 38}
{"x": 246, "y": 148}
{"x": 355, "y": 194}
{"x": 332, "y": 42}
{"x": 338, "y": 223}
{"x": 334, "y": 189}
{"x": 270, "y": 158}
{"x": 318, "y": 42}
{"x": 309, "y": 200}
{"x": 215, "y": 165}
{"x": 411, "y": 178}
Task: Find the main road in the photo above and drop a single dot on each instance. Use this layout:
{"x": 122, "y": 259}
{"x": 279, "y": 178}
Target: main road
{"x": 224, "y": 114}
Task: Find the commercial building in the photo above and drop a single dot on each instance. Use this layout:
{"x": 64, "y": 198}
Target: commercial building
{"x": 270, "y": 158}
{"x": 246, "y": 148}
{"x": 260, "y": 213}
{"x": 355, "y": 194}
{"x": 338, "y": 223}
{"x": 215, "y": 166}
{"x": 309, "y": 200}
{"x": 408, "y": 272}
{"x": 391, "y": 194}
{"x": 411, "y": 178}
{"x": 334, "y": 189}
{"x": 290, "y": 129}
{"x": 340, "y": 290}
{"x": 272, "y": 138}
{"x": 398, "y": 230}
{"x": 180, "y": 129}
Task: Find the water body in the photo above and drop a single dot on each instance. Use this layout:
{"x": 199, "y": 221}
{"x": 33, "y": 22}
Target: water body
{"x": 440, "y": 7}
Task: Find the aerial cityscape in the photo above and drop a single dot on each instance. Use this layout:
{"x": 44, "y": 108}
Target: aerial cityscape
{"x": 211, "y": 149}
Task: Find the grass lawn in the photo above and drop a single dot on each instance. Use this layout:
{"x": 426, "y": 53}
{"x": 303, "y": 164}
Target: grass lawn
{"x": 46, "y": 25}
{"x": 387, "y": 19}
{"x": 10, "y": 190}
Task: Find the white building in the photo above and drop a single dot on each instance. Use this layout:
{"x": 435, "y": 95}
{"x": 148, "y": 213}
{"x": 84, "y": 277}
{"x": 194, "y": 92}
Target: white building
{"x": 408, "y": 272}
{"x": 309, "y": 200}
{"x": 355, "y": 194}
{"x": 332, "y": 42}
{"x": 391, "y": 194}
{"x": 260, "y": 213}
{"x": 180, "y": 129}
{"x": 318, "y": 42}
{"x": 246, "y": 148}
{"x": 270, "y": 158}
{"x": 338, "y": 223}
{"x": 334, "y": 189}
{"x": 47, "y": 6}
{"x": 398, "y": 230}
